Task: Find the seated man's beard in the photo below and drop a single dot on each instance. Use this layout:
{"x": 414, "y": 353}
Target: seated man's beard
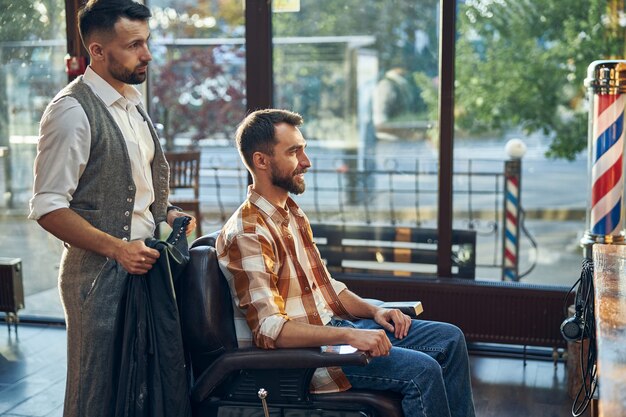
{"x": 287, "y": 182}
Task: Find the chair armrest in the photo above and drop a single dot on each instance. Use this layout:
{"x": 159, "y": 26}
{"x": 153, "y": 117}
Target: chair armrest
{"x": 410, "y": 308}
{"x": 255, "y": 358}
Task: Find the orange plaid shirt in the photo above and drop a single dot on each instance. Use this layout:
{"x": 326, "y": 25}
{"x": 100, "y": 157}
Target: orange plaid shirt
{"x": 258, "y": 256}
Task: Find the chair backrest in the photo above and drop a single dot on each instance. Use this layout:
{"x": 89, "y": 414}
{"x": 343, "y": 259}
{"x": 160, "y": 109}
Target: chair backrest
{"x": 184, "y": 170}
{"x": 205, "y": 306}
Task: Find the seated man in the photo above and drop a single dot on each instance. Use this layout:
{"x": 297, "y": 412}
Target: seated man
{"x": 283, "y": 295}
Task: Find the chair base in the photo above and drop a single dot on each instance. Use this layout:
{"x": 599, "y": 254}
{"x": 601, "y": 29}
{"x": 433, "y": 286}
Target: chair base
{"x": 351, "y": 403}
{"x": 324, "y": 409}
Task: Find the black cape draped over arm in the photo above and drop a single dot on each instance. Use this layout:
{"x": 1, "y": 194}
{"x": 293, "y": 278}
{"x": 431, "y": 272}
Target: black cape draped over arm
{"x": 151, "y": 377}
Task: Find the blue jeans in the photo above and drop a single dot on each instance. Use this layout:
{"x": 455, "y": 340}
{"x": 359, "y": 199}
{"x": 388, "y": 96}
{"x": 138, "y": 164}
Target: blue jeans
{"x": 429, "y": 367}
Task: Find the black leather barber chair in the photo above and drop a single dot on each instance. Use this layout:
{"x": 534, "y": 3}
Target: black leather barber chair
{"x": 227, "y": 379}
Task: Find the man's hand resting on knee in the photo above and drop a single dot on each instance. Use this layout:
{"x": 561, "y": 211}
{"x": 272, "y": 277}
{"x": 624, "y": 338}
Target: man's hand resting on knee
{"x": 394, "y": 321}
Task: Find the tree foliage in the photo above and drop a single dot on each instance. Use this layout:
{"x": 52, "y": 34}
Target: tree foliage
{"x": 522, "y": 63}
{"x": 199, "y": 92}
{"x": 519, "y": 63}
{"x": 30, "y": 19}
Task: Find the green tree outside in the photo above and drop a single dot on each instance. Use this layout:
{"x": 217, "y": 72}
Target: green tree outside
{"x": 522, "y": 63}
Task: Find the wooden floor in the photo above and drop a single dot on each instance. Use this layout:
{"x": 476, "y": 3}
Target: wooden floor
{"x": 504, "y": 387}
{"x": 32, "y": 377}
{"x": 32, "y": 371}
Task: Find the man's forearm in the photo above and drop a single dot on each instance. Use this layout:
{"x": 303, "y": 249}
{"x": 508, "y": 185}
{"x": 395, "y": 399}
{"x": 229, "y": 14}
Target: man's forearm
{"x": 297, "y": 334}
{"x": 134, "y": 256}
{"x": 69, "y": 227}
{"x": 356, "y": 305}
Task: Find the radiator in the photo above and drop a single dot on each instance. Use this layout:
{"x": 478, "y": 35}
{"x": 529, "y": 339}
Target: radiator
{"x": 11, "y": 287}
{"x": 490, "y": 312}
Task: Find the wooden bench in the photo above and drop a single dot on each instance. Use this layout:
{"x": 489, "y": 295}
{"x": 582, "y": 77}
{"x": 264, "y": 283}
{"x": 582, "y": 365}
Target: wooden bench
{"x": 392, "y": 250}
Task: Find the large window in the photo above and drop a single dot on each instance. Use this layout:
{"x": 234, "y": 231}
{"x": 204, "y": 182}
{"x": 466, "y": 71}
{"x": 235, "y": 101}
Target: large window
{"x": 365, "y": 76}
{"x": 32, "y": 47}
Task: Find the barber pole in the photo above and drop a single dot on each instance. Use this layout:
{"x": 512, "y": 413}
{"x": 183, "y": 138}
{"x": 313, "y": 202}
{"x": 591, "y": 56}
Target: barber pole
{"x": 510, "y": 268}
{"x": 607, "y": 179}
{"x": 606, "y": 83}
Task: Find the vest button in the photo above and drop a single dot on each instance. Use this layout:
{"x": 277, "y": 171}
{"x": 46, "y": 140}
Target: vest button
{"x": 129, "y": 200}
{"x": 125, "y": 239}
{"x": 126, "y": 228}
{"x": 127, "y": 214}
{"x": 131, "y": 188}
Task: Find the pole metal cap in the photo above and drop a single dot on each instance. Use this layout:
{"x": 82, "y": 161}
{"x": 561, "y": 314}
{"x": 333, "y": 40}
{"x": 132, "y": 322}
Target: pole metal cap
{"x": 607, "y": 77}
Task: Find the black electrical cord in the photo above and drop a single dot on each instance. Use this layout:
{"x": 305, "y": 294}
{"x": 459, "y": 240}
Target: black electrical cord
{"x": 587, "y": 361}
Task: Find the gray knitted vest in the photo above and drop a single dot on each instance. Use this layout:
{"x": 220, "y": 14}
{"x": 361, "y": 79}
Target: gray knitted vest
{"x": 106, "y": 191}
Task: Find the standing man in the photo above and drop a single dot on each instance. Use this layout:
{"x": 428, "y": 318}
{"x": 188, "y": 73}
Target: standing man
{"x": 283, "y": 295}
{"x": 101, "y": 186}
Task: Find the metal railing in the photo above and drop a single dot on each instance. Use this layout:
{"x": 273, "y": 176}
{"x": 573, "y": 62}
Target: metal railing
{"x": 391, "y": 191}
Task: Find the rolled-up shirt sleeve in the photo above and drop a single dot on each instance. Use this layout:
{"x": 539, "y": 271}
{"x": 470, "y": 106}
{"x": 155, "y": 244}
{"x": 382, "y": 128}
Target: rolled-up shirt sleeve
{"x": 62, "y": 153}
{"x": 251, "y": 263}
{"x": 338, "y": 286}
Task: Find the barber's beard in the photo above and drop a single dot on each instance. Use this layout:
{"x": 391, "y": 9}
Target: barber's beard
{"x": 288, "y": 182}
{"x": 123, "y": 74}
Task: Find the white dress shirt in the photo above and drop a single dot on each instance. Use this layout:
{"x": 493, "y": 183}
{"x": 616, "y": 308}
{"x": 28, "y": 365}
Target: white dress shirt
{"x": 64, "y": 146}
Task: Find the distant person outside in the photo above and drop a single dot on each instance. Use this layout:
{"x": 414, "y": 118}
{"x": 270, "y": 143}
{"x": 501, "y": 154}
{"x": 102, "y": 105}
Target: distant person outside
{"x": 393, "y": 102}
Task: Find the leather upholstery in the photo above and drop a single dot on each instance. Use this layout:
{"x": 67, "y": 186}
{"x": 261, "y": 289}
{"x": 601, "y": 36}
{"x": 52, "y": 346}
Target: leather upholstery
{"x": 206, "y": 310}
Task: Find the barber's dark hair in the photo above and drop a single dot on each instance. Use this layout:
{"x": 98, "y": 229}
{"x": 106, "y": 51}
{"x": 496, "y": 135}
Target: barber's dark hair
{"x": 256, "y": 132}
{"x": 101, "y": 15}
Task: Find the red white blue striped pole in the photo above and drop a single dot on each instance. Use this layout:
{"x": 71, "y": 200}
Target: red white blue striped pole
{"x": 515, "y": 148}
{"x": 606, "y": 81}
{"x": 607, "y": 179}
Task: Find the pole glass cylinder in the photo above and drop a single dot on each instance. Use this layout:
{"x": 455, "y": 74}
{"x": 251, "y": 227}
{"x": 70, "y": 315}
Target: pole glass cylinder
{"x": 606, "y": 84}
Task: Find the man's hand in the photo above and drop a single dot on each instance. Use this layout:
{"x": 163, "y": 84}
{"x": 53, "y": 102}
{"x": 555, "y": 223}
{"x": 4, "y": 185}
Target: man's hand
{"x": 135, "y": 257}
{"x": 374, "y": 342}
{"x": 394, "y": 321}
{"x": 173, "y": 214}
